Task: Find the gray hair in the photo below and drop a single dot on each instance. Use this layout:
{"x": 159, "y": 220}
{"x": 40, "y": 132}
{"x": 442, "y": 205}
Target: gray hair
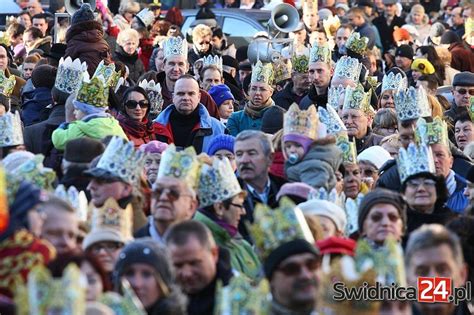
{"x": 265, "y": 142}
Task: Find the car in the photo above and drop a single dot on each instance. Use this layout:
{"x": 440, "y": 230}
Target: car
{"x": 7, "y": 8}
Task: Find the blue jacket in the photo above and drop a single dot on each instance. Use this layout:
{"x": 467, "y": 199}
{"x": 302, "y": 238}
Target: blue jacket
{"x": 458, "y": 202}
{"x": 240, "y": 121}
{"x": 32, "y": 109}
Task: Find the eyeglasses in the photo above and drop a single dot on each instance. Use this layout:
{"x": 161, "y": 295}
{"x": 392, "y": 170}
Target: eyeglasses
{"x": 294, "y": 269}
{"x": 464, "y": 91}
{"x": 377, "y": 217}
{"x": 369, "y": 172}
{"x": 237, "y": 206}
{"x": 108, "y": 247}
{"x": 172, "y": 193}
{"x": 415, "y": 183}
{"x": 131, "y": 104}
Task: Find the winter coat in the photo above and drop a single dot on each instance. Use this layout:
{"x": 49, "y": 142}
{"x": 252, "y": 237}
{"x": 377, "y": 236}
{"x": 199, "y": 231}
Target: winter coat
{"x": 85, "y": 40}
{"x": 312, "y": 98}
{"x": 317, "y": 168}
{"x": 208, "y": 128}
{"x": 138, "y": 133}
{"x": 286, "y": 97}
{"x": 242, "y": 256}
{"x": 440, "y": 215}
{"x": 277, "y": 168}
{"x": 134, "y": 64}
{"x": 95, "y": 126}
{"x": 369, "y": 32}
{"x": 369, "y": 140}
{"x": 38, "y": 99}
{"x": 462, "y": 59}
{"x": 383, "y": 28}
{"x": 172, "y": 304}
{"x": 145, "y": 52}
{"x": 240, "y": 121}
{"x": 194, "y": 56}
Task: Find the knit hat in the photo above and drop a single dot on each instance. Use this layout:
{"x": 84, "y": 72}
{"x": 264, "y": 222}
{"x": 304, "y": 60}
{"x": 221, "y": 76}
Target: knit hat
{"x": 220, "y": 93}
{"x": 82, "y": 150}
{"x": 272, "y": 120}
{"x": 423, "y": 66}
{"x": 376, "y": 155}
{"x": 84, "y": 14}
{"x": 44, "y": 76}
{"x": 336, "y": 245}
{"x": 301, "y": 190}
{"x": 450, "y": 37}
{"x": 154, "y": 146}
{"x": 300, "y": 139}
{"x": 404, "y": 51}
{"x": 378, "y": 196}
{"x": 221, "y": 142}
{"x": 325, "y": 208}
{"x": 464, "y": 78}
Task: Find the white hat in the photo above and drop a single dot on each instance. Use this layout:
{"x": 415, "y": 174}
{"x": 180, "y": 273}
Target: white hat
{"x": 375, "y": 155}
{"x": 327, "y": 209}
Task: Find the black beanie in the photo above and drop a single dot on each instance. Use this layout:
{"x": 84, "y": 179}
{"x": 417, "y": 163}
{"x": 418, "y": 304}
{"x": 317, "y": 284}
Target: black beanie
{"x": 450, "y": 37}
{"x": 272, "y": 120}
{"x": 404, "y": 51}
{"x": 294, "y": 247}
{"x": 84, "y": 14}
{"x": 83, "y": 150}
{"x": 44, "y": 76}
{"x": 378, "y": 196}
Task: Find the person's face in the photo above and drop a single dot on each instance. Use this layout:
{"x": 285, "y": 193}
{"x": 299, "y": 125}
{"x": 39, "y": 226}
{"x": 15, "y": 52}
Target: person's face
{"x": 235, "y": 211}
{"x": 319, "y": 74}
{"x": 293, "y": 148}
{"x": 159, "y": 61}
{"x": 152, "y": 163}
{"x": 403, "y": 62}
{"x": 211, "y": 77}
{"x": 61, "y": 229}
{"x": 28, "y": 69}
{"x": 243, "y": 74}
{"x": 195, "y": 265}
{"x": 442, "y": 158}
{"x": 25, "y": 20}
{"x": 318, "y": 37}
{"x": 94, "y": 283}
{"x": 416, "y": 75}
{"x": 23, "y": 4}
{"x": 328, "y": 226}
{"x": 456, "y": 16}
{"x": 172, "y": 201}
{"x": 107, "y": 253}
{"x": 3, "y": 58}
{"x": 29, "y": 40}
{"x": 226, "y": 109}
{"x": 356, "y": 122}
{"x": 259, "y": 93}
{"x": 355, "y": 19}
{"x": 383, "y": 220}
{"x": 136, "y": 106}
{"x": 299, "y": 36}
{"x": 216, "y": 41}
{"x": 368, "y": 172}
{"x": 202, "y": 44}
{"x": 310, "y": 19}
{"x": 220, "y": 154}
{"x": 300, "y": 83}
{"x": 342, "y": 35}
{"x": 130, "y": 46}
{"x": 345, "y": 82}
{"x": 352, "y": 180}
{"x": 406, "y": 135}
{"x": 420, "y": 193}
{"x": 295, "y": 282}
{"x": 186, "y": 96}
{"x": 339, "y": 182}
{"x": 386, "y": 100}
{"x": 102, "y": 190}
{"x": 416, "y": 18}
{"x": 40, "y": 24}
{"x": 142, "y": 278}
{"x": 390, "y": 9}
{"x": 34, "y": 7}
{"x": 129, "y": 16}
{"x": 462, "y": 94}
{"x": 463, "y": 132}
{"x": 251, "y": 161}
{"x": 36, "y": 217}
{"x": 175, "y": 66}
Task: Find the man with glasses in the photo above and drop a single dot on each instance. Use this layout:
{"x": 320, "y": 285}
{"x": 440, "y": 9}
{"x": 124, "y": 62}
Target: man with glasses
{"x": 463, "y": 89}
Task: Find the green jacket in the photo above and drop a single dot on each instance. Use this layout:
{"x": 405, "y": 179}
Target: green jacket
{"x": 242, "y": 256}
{"x": 93, "y": 127}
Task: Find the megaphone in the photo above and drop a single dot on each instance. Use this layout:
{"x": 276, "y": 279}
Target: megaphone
{"x": 284, "y": 18}
{"x": 73, "y": 5}
{"x": 264, "y": 50}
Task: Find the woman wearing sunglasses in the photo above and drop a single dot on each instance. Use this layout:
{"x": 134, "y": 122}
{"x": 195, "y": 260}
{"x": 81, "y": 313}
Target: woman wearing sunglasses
{"x": 133, "y": 117}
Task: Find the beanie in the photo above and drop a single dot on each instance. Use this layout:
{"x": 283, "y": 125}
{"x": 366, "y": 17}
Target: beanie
{"x": 44, "y": 76}
{"x": 337, "y": 245}
{"x": 376, "y": 155}
{"x": 327, "y": 209}
{"x": 82, "y": 150}
{"x": 230, "y": 62}
{"x": 378, "y": 196}
{"x": 423, "y": 66}
{"x": 450, "y": 37}
{"x": 301, "y": 190}
{"x": 300, "y": 139}
{"x": 404, "y": 51}
{"x": 84, "y": 14}
{"x": 220, "y": 93}
{"x": 272, "y": 119}
{"x": 221, "y": 142}
{"x": 154, "y": 146}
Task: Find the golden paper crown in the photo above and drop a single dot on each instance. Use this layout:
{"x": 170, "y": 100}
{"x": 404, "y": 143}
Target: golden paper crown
{"x": 300, "y": 63}
{"x": 310, "y": 6}
{"x": 348, "y": 148}
{"x": 356, "y": 43}
{"x": 76, "y": 199}
{"x": 331, "y": 25}
{"x": 415, "y": 160}
{"x": 7, "y": 85}
{"x": 183, "y": 165}
{"x": 107, "y": 73}
{"x": 262, "y": 73}
{"x": 126, "y": 304}
{"x": 320, "y": 53}
{"x": 301, "y": 122}
{"x": 94, "y": 92}
{"x": 34, "y": 172}
{"x": 281, "y": 70}
{"x": 275, "y": 227}
{"x": 357, "y": 98}
{"x": 435, "y": 132}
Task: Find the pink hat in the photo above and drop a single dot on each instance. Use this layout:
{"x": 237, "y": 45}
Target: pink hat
{"x": 301, "y": 190}
{"x": 154, "y": 146}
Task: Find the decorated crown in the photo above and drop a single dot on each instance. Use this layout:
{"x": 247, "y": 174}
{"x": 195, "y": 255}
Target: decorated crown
{"x": 76, "y": 199}
{"x": 275, "y": 227}
{"x": 348, "y": 148}
{"x": 7, "y": 85}
{"x": 217, "y": 182}
{"x": 122, "y": 160}
{"x": 34, "y": 172}
{"x": 281, "y": 70}
{"x": 301, "y": 122}
{"x": 415, "y": 160}
{"x": 175, "y": 46}
{"x": 435, "y": 132}
{"x": 212, "y": 60}
{"x": 347, "y": 67}
{"x": 357, "y": 98}
{"x": 183, "y": 165}
{"x": 394, "y": 81}
{"x": 108, "y": 74}
{"x": 331, "y": 24}
{"x": 70, "y": 75}
{"x": 240, "y": 297}
{"x": 300, "y": 63}
{"x": 334, "y": 94}
{"x": 310, "y": 5}
{"x": 320, "y": 53}
{"x": 323, "y": 194}
{"x": 351, "y": 206}
{"x": 128, "y": 303}
{"x": 153, "y": 90}
{"x": 146, "y": 17}
{"x": 262, "y": 73}
{"x": 411, "y": 103}
{"x": 93, "y": 92}
{"x": 356, "y": 43}
{"x": 11, "y": 132}
{"x": 331, "y": 119}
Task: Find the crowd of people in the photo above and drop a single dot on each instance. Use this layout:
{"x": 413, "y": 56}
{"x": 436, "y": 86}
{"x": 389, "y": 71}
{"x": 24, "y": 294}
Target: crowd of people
{"x": 150, "y": 170}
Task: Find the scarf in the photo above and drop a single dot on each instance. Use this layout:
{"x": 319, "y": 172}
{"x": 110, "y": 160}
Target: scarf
{"x": 183, "y": 127}
{"x": 232, "y": 230}
{"x": 137, "y": 129}
{"x": 257, "y": 111}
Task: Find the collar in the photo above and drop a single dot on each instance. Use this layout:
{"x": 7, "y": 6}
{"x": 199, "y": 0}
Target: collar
{"x": 155, "y": 235}
{"x": 262, "y": 196}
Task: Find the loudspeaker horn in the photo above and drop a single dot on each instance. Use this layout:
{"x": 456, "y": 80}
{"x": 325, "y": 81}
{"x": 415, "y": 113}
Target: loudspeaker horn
{"x": 285, "y": 18}
{"x": 73, "y": 5}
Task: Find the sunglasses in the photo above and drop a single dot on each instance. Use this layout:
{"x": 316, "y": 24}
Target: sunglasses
{"x": 464, "y": 91}
{"x": 294, "y": 269}
{"x": 172, "y": 193}
{"x": 377, "y": 217}
{"x": 131, "y": 104}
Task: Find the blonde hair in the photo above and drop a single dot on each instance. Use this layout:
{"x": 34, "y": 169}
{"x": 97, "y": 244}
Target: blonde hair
{"x": 201, "y": 31}
{"x": 129, "y": 33}
{"x": 444, "y": 54}
{"x": 129, "y": 6}
{"x": 436, "y": 108}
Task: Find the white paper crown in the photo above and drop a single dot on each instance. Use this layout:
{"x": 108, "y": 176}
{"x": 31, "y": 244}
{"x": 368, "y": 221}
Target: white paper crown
{"x": 76, "y": 199}
{"x": 11, "y": 132}
{"x": 412, "y": 103}
{"x": 154, "y": 94}
{"x": 262, "y": 73}
{"x": 217, "y": 182}
{"x": 331, "y": 119}
{"x": 146, "y": 17}
{"x": 414, "y": 160}
{"x": 334, "y": 95}
{"x": 212, "y": 60}
{"x": 323, "y": 194}
{"x": 122, "y": 160}
{"x": 70, "y": 75}
{"x": 320, "y": 53}
{"x": 394, "y": 81}
{"x": 349, "y": 68}
{"x": 175, "y": 46}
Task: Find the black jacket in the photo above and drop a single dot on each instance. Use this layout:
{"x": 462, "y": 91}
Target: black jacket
{"x": 312, "y": 98}
{"x": 286, "y": 97}
{"x": 386, "y": 31}
{"x": 134, "y": 64}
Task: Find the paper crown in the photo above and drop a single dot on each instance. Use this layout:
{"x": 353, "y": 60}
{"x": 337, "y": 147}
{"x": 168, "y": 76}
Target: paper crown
{"x": 11, "y": 131}
{"x": 320, "y": 53}
{"x": 212, "y": 60}
{"x": 310, "y": 6}
{"x": 301, "y": 122}
{"x": 300, "y": 63}
{"x": 356, "y": 43}
{"x": 240, "y": 297}
{"x": 121, "y": 160}
{"x": 348, "y": 148}
{"x": 34, "y": 172}
{"x": 394, "y": 81}
{"x": 175, "y": 46}
{"x": 415, "y": 160}
{"x": 351, "y": 206}
{"x": 217, "y": 182}
{"x": 76, "y": 199}
{"x": 347, "y": 67}
{"x": 183, "y": 165}
{"x": 70, "y": 75}
{"x": 146, "y": 16}
{"x": 329, "y": 117}
{"x": 331, "y": 25}
{"x": 108, "y": 74}
{"x": 435, "y": 132}
{"x": 334, "y": 95}
{"x": 281, "y": 70}
{"x": 7, "y": 85}
{"x": 94, "y": 92}
{"x": 262, "y": 73}
{"x": 153, "y": 90}
{"x": 323, "y": 194}
{"x": 411, "y": 103}
{"x": 128, "y": 303}
{"x": 275, "y": 227}
{"x": 357, "y": 98}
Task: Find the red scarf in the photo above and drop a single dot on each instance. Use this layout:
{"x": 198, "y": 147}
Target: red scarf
{"x": 137, "y": 129}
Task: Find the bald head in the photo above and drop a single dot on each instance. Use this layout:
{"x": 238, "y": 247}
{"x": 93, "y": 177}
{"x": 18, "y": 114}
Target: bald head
{"x": 186, "y": 96}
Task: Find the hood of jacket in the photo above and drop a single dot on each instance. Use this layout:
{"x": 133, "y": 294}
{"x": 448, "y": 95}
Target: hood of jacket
{"x": 89, "y": 32}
